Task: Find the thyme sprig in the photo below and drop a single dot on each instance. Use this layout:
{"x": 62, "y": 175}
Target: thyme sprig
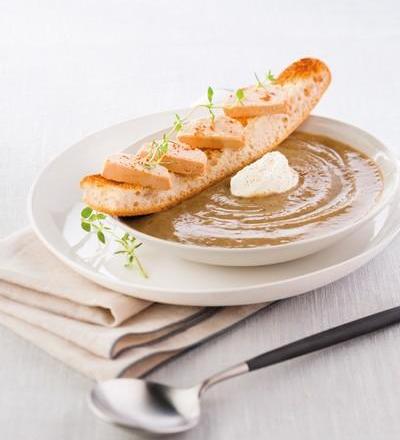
{"x": 159, "y": 148}
{"x": 259, "y": 82}
{"x": 178, "y": 123}
{"x": 156, "y": 152}
{"x": 269, "y": 78}
{"x": 93, "y": 221}
{"x": 129, "y": 245}
{"x": 240, "y": 95}
{"x": 210, "y": 106}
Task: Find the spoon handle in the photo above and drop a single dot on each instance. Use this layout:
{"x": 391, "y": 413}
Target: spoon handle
{"x": 326, "y": 338}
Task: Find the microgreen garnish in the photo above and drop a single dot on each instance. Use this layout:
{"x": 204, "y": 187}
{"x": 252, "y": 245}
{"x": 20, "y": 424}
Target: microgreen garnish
{"x": 159, "y": 148}
{"x": 270, "y": 77}
{"x": 259, "y": 82}
{"x": 240, "y": 95}
{"x": 93, "y": 221}
{"x": 156, "y": 152}
{"x": 129, "y": 245}
{"x": 178, "y": 123}
{"x": 210, "y": 105}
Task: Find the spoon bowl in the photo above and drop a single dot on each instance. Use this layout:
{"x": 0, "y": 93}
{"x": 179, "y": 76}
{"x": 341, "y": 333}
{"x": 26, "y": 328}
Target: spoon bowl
{"x": 148, "y": 406}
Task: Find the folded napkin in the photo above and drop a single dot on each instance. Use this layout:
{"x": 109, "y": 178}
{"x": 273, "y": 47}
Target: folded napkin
{"x": 97, "y": 331}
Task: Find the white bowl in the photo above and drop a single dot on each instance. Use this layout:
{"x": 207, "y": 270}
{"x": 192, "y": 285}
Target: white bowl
{"x": 265, "y": 255}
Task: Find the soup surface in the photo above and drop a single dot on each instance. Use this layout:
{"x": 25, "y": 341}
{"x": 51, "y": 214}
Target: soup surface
{"x": 338, "y": 185}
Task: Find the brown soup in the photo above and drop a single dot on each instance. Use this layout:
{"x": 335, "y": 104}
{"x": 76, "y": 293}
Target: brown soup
{"x": 338, "y": 185}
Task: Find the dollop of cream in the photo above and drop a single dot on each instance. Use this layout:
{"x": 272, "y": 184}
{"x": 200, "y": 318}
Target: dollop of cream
{"x": 271, "y": 174}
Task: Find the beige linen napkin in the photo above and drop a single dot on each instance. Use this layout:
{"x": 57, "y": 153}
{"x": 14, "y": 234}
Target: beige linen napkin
{"x": 99, "y": 332}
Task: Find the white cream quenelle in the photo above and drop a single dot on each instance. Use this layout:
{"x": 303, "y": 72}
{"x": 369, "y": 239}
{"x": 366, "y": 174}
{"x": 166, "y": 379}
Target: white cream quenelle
{"x": 271, "y": 174}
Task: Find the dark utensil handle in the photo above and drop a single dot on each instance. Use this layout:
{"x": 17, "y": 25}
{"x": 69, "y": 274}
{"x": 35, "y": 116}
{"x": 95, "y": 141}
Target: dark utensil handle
{"x": 327, "y": 338}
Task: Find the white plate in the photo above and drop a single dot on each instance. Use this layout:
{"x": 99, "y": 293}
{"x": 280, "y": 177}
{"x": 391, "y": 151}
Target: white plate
{"x": 263, "y": 255}
{"x": 54, "y": 207}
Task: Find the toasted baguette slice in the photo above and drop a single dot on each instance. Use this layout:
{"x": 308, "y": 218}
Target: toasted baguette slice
{"x": 305, "y": 81}
{"x": 181, "y": 159}
{"x": 258, "y": 101}
{"x": 223, "y": 132}
{"x": 124, "y": 167}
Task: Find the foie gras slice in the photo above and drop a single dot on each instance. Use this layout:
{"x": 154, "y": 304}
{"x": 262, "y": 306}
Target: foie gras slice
{"x": 223, "y": 132}
{"x": 129, "y": 168}
{"x": 180, "y": 158}
{"x": 257, "y": 101}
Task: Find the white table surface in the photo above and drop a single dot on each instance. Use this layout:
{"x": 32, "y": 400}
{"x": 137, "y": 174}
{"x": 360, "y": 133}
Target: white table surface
{"x": 69, "y": 68}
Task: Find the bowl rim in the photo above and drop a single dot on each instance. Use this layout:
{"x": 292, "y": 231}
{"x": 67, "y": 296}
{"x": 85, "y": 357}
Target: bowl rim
{"x": 379, "y": 205}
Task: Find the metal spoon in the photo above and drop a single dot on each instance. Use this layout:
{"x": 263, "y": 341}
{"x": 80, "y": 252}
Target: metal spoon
{"x": 162, "y": 409}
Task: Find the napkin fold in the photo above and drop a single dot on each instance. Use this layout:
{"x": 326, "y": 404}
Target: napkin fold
{"x": 99, "y": 332}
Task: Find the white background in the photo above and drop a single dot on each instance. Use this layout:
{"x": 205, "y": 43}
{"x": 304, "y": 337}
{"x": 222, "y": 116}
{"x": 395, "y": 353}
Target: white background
{"x": 69, "y": 68}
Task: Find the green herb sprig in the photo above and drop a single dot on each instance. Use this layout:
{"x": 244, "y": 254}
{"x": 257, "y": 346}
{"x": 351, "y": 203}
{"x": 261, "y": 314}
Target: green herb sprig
{"x": 269, "y": 78}
{"x": 129, "y": 245}
{"x": 259, "y": 82}
{"x": 159, "y": 148}
{"x": 210, "y": 106}
{"x": 156, "y": 152}
{"x": 93, "y": 221}
{"x": 178, "y": 123}
{"x": 240, "y": 95}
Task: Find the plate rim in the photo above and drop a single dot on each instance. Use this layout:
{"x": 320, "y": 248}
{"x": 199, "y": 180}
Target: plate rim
{"x": 99, "y": 277}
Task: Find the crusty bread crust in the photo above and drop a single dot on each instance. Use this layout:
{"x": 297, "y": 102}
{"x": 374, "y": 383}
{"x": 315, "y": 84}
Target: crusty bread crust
{"x": 306, "y": 80}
